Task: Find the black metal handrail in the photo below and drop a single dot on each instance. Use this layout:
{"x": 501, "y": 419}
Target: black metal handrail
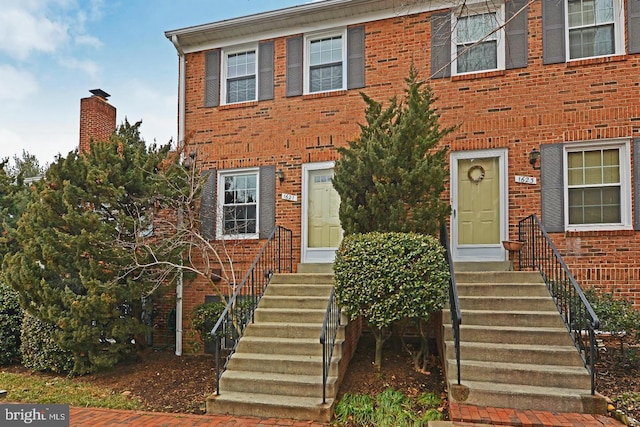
{"x": 276, "y": 256}
{"x": 328, "y": 339}
{"x": 540, "y": 254}
{"x": 454, "y": 302}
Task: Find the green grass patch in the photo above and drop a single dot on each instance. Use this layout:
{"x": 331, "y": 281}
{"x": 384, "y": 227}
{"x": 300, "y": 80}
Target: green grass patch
{"x": 61, "y": 390}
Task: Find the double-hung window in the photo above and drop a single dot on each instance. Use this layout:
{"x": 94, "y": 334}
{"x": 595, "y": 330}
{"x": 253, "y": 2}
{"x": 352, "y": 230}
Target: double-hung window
{"x": 597, "y": 191}
{"x": 239, "y": 76}
{"x": 238, "y": 201}
{"x": 478, "y": 41}
{"x": 591, "y": 28}
{"x": 326, "y": 58}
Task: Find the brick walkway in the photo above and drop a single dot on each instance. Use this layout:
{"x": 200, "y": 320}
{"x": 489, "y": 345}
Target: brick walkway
{"x": 466, "y": 416}
{"x": 462, "y": 416}
{"x": 97, "y": 417}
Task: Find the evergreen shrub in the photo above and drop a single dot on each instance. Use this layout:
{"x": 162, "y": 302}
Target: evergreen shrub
{"x": 39, "y": 350}
{"x": 10, "y": 324}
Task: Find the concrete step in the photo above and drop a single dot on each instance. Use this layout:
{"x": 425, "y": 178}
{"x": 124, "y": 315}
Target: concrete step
{"x": 293, "y": 289}
{"x": 276, "y": 383}
{"x": 302, "y": 302}
{"x": 315, "y": 268}
{"x": 297, "y": 346}
{"x": 303, "y": 279}
{"x": 519, "y": 396}
{"x": 532, "y": 354}
{"x": 575, "y": 377}
{"x": 281, "y": 364}
{"x": 290, "y": 315}
{"x": 482, "y": 266}
{"x": 503, "y": 289}
{"x": 519, "y": 303}
{"x": 284, "y": 330}
{"x": 509, "y": 277}
{"x": 270, "y": 406}
{"x": 514, "y": 335}
{"x": 513, "y": 318}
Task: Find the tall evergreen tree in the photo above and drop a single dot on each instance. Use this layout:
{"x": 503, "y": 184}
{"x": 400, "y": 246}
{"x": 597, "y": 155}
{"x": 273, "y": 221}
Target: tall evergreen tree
{"x": 75, "y": 240}
{"x": 392, "y": 176}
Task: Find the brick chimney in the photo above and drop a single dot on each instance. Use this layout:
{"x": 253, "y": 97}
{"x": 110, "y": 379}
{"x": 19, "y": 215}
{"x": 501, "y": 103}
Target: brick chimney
{"x": 97, "y": 119}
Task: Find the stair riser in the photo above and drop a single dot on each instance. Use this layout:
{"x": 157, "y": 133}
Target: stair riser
{"x": 293, "y": 367}
{"x": 542, "y": 319}
{"x": 507, "y": 290}
{"x": 496, "y": 374}
{"x": 277, "y": 289}
{"x": 289, "y": 316}
{"x": 569, "y": 357}
{"x": 321, "y": 413}
{"x": 498, "y": 277}
{"x": 294, "y": 302}
{"x": 303, "y": 278}
{"x": 285, "y": 347}
{"x": 287, "y": 330}
{"x": 507, "y": 304}
{"x": 524, "y": 401}
{"x": 275, "y": 387}
{"x": 515, "y": 337}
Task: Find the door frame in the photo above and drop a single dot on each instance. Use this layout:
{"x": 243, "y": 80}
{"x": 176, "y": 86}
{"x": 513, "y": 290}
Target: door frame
{"x": 495, "y": 252}
{"x": 323, "y": 255}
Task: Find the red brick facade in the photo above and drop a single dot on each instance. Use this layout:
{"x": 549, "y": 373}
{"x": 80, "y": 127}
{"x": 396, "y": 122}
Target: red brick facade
{"x": 514, "y": 109}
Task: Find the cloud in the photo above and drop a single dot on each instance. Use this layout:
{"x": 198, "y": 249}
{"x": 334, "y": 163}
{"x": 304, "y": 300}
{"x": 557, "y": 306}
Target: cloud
{"x": 87, "y": 40}
{"x": 16, "y": 84}
{"x": 23, "y": 31}
{"x": 90, "y": 68}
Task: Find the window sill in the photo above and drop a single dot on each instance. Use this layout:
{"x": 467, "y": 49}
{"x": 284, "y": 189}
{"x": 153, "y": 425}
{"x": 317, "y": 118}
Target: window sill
{"x": 480, "y": 75}
{"x": 238, "y": 105}
{"x": 324, "y": 94}
{"x": 600, "y": 233}
{"x": 595, "y": 61}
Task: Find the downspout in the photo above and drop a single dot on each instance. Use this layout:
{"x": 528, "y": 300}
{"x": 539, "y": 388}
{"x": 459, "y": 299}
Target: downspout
{"x": 181, "y": 142}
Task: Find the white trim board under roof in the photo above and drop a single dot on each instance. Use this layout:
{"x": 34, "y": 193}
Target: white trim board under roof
{"x": 298, "y": 19}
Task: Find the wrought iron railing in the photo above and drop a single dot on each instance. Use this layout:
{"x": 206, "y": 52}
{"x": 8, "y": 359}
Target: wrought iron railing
{"x": 540, "y": 254}
{"x": 454, "y": 302}
{"x": 276, "y": 256}
{"x": 328, "y": 339}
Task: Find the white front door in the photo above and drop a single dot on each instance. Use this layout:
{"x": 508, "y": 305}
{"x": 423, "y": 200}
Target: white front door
{"x": 479, "y": 215}
{"x": 321, "y": 230}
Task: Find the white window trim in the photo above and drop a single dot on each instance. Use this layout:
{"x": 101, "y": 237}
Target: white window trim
{"x": 308, "y": 38}
{"x": 618, "y": 30}
{"x": 220, "y": 204}
{"x": 223, "y": 72}
{"x": 474, "y": 9}
{"x": 625, "y": 184}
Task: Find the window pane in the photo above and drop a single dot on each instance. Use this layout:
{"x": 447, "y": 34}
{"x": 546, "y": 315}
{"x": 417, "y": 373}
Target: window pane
{"x": 480, "y": 57}
{"x": 241, "y": 90}
{"x": 325, "y": 78}
{"x": 325, "y": 51}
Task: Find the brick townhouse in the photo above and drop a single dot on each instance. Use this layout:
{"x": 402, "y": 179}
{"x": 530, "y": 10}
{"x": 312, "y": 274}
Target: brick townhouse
{"x": 545, "y": 94}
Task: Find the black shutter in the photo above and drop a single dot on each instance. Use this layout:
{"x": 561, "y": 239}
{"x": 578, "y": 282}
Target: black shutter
{"x": 208, "y": 205}
{"x": 633, "y": 25}
{"x": 517, "y": 35}
{"x": 355, "y": 58}
{"x": 441, "y": 45}
{"x": 552, "y": 186}
{"x": 636, "y": 181}
{"x": 553, "y": 31}
{"x": 212, "y": 79}
{"x": 267, "y": 203}
{"x": 265, "y": 70}
{"x": 294, "y": 66}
